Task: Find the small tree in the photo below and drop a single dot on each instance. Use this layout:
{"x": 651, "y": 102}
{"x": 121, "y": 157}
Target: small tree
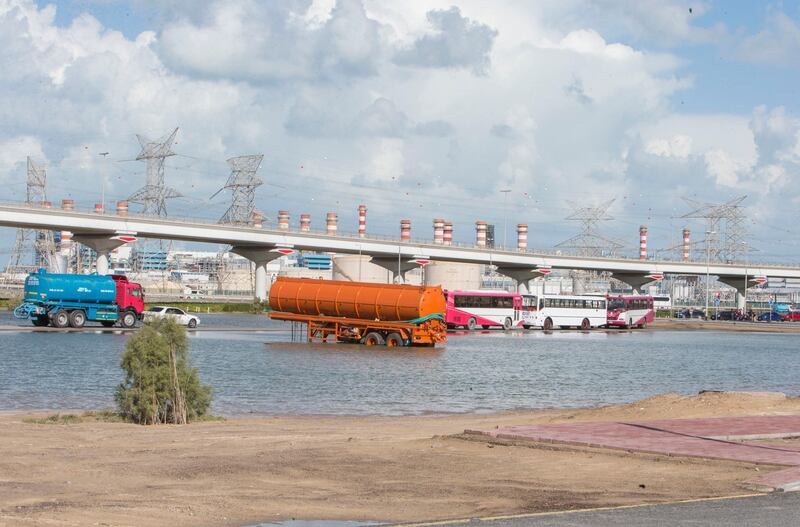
{"x": 159, "y": 385}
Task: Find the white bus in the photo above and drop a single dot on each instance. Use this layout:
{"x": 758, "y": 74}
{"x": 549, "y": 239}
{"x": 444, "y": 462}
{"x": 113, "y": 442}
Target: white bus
{"x": 662, "y": 302}
{"x": 549, "y": 311}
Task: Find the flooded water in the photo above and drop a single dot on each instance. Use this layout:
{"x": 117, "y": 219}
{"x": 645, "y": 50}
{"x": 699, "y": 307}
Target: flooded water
{"x": 263, "y": 373}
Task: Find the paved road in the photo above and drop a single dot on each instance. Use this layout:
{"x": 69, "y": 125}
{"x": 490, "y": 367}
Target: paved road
{"x": 771, "y": 510}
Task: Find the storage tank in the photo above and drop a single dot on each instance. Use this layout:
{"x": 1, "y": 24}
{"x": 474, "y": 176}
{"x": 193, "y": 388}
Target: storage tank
{"x": 43, "y": 286}
{"x": 453, "y": 276}
{"x": 385, "y": 302}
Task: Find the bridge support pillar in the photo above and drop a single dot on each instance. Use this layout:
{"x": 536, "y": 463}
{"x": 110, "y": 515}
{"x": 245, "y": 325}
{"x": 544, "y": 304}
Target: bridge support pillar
{"x": 261, "y": 256}
{"x": 521, "y": 276}
{"x": 636, "y": 281}
{"x": 102, "y": 244}
{"x": 261, "y": 282}
{"x": 741, "y": 289}
{"x": 399, "y": 266}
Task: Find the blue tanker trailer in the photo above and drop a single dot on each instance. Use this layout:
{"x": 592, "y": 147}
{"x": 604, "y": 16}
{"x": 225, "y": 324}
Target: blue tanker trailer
{"x": 63, "y": 300}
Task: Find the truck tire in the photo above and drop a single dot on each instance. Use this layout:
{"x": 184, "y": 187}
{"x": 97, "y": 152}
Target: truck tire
{"x": 373, "y": 338}
{"x": 586, "y": 325}
{"x": 127, "y": 319}
{"x": 548, "y": 324}
{"x": 472, "y": 324}
{"x": 77, "y": 318}
{"x": 395, "y": 340}
{"x": 61, "y": 319}
{"x": 508, "y": 324}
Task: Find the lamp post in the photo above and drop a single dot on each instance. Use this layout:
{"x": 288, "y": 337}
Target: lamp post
{"x": 708, "y": 266}
{"x": 746, "y": 265}
{"x": 505, "y": 192}
{"x": 103, "y": 179}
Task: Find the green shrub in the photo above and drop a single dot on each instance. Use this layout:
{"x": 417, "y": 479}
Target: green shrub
{"x": 160, "y": 386}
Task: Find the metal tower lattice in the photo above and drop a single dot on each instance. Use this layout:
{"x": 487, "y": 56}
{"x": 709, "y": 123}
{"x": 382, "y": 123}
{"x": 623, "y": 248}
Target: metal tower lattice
{"x": 590, "y": 242}
{"x": 154, "y": 195}
{"x": 726, "y": 233}
{"x": 33, "y": 248}
{"x": 242, "y": 183}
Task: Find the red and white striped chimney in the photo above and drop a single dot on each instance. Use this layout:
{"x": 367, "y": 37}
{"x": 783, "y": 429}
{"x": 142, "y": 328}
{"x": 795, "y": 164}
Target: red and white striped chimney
{"x": 68, "y": 204}
{"x": 643, "y": 242}
{"x": 258, "y": 219}
{"x": 362, "y": 221}
{"x": 99, "y": 209}
{"x": 405, "y": 230}
{"x": 686, "y": 243}
{"x": 122, "y": 208}
{"x": 283, "y": 220}
{"x": 47, "y": 204}
{"x": 66, "y": 236}
{"x": 447, "y": 237}
{"x": 331, "y": 221}
{"x": 522, "y": 236}
{"x": 480, "y": 233}
{"x": 438, "y": 231}
{"x": 305, "y": 222}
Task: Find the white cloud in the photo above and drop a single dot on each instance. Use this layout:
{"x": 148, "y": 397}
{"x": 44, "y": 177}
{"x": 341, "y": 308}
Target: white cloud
{"x": 777, "y": 43}
{"x": 678, "y": 146}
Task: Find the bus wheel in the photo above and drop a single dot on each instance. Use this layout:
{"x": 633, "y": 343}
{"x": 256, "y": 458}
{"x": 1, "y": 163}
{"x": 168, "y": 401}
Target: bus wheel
{"x": 128, "y": 319}
{"x": 373, "y": 338}
{"x": 61, "y": 319}
{"x": 586, "y": 325}
{"x": 77, "y": 318}
{"x": 643, "y": 324}
{"x": 507, "y": 324}
{"x": 395, "y": 340}
{"x": 472, "y": 324}
{"x": 548, "y": 324}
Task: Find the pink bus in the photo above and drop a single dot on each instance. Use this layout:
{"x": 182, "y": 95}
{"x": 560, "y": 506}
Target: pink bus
{"x": 470, "y": 309}
{"x": 630, "y": 311}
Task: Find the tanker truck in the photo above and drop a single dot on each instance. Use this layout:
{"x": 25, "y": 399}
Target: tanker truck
{"x": 361, "y": 313}
{"x": 63, "y": 300}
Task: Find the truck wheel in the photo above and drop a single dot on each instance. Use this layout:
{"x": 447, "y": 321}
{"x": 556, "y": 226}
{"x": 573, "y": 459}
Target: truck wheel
{"x": 472, "y": 324}
{"x": 586, "y": 325}
{"x": 192, "y": 323}
{"x": 395, "y": 340}
{"x": 128, "y": 319}
{"x": 507, "y": 324}
{"x": 108, "y": 323}
{"x": 548, "y": 324}
{"x": 61, "y": 319}
{"x": 373, "y": 338}
{"x": 77, "y": 318}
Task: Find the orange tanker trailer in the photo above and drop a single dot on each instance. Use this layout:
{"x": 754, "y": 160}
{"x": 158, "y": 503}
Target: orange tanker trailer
{"x": 358, "y": 312}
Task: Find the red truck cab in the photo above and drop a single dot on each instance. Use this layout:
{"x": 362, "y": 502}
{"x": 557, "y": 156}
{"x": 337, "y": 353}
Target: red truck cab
{"x": 130, "y": 295}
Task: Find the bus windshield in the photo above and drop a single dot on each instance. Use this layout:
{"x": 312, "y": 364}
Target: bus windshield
{"x": 616, "y": 304}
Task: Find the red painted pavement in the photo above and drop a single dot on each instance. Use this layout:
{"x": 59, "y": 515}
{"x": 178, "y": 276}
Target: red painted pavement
{"x": 678, "y": 437}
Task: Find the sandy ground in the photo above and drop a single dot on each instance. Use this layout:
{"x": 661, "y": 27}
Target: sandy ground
{"x": 252, "y": 470}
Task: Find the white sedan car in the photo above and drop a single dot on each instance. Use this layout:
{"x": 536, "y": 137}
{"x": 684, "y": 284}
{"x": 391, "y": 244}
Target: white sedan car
{"x": 178, "y": 315}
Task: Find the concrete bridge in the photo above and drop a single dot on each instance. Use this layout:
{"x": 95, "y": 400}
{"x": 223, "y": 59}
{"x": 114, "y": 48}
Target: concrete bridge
{"x": 105, "y": 232}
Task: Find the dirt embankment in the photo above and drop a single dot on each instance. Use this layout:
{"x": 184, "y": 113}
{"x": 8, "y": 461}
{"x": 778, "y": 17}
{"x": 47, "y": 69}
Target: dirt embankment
{"x": 723, "y": 325}
{"x": 391, "y": 469}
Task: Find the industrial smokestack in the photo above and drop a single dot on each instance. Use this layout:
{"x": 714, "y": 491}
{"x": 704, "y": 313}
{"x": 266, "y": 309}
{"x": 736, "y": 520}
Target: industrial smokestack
{"x": 283, "y": 220}
{"x": 438, "y": 231}
{"x": 405, "y": 230}
{"x": 686, "y": 243}
{"x": 331, "y": 221}
{"x": 362, "y": 221}
{"x": 47, "y": 204}
{"x": 643, "y": 242}
{"x": 522, "y": 236}
{"x": 258, "y": 219}
{"x": 99, "y": 208}
{"x": 122, "y": 208}
{"x": 480, "y": 233}
{"x": 305, "y": 222}
{"x": 447, "y": 239}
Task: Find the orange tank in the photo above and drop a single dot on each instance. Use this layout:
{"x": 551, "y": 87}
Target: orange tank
{"x": 385, "y": 302}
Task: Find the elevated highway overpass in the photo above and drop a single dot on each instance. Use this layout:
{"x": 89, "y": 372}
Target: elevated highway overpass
{"x": 105, "y": 232}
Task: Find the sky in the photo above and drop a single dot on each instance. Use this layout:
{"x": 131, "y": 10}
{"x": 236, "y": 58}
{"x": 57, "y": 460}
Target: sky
{"x": 419, "y": 110}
